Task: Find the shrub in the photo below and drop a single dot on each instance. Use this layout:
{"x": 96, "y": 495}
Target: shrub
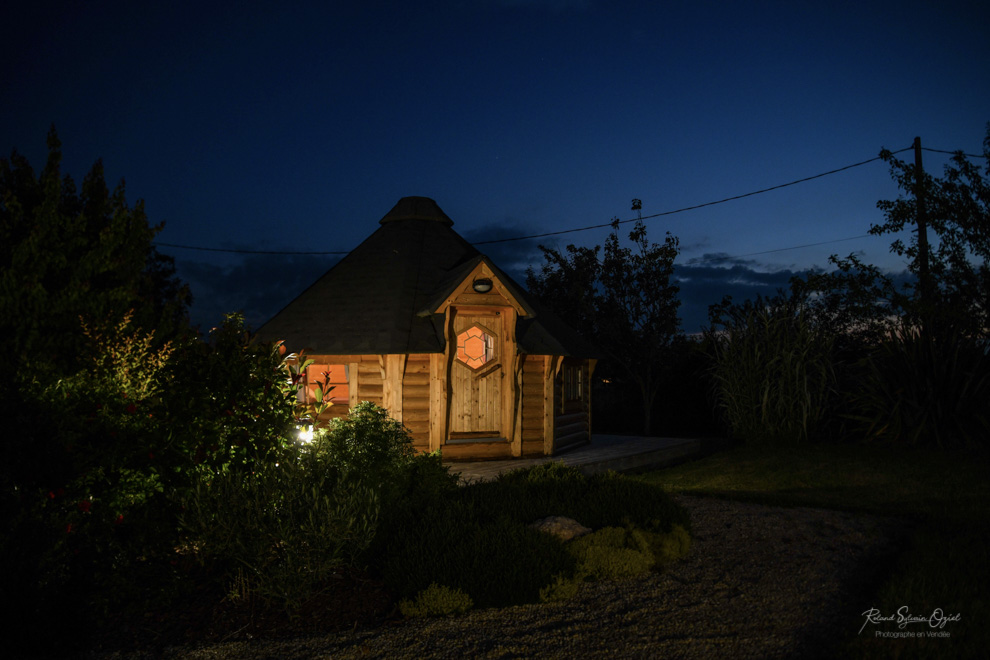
{"x": 610, "y": 553}
{"x": 224, "y": 404}
{"x": 437, "y": 600}
{"x": 367, "y": 447}
{"x": 563, "y": 587}
{"x": 281, "y": 531}
{"x": 497, "y": 561}
{"x": 669, "y": 547}
{"x": 925, "y": 389}
{"x": 601, "y": 500}
{"x": 617, "y": 552}
{"x": 477, "y": 538}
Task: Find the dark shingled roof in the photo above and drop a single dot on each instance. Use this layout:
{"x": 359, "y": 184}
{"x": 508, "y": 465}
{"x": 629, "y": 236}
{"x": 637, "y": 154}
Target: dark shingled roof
{"x": 379, "y": 298}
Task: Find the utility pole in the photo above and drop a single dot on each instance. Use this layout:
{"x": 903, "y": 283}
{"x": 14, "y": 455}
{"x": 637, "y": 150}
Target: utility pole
{"x": 925, "y": 293}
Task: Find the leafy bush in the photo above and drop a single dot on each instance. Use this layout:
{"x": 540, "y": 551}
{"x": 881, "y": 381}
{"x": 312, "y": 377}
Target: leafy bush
{"x": 437, "y": 600}
{"x": 281, "y": 531}
{"x": 224, "y": 404}
{"x": 610, "y": 553}
{"x": 617, "y": 552}
{"x": 669, "y": 547}
{"x": 477, "y": 538}
{"x": 925, "y": 389}
{"x": 563, "y": 587}
{"x": 367, "y": 447}
{"x": 553, "y": 488}
{"x": 497, "y": 561}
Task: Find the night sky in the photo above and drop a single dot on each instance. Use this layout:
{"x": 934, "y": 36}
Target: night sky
{"x": 296, "y": 127}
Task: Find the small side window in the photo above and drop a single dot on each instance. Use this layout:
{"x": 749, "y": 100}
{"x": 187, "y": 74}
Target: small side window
{"x": 332, "y": 375}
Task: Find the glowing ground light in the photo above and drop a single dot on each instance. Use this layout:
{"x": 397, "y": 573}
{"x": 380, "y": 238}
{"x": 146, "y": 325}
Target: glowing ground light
{"x": 305, "y": 432}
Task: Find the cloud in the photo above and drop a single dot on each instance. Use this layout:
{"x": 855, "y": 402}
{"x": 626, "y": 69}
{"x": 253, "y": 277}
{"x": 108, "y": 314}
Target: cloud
{"x": 705, "y": 284}
{"x": 513, "y": 257}
{"x": 261, "y": 285}
{"x": 257, "y": 285}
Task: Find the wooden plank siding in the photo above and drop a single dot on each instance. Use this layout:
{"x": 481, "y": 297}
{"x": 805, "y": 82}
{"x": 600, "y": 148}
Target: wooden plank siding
{"x": 533, "y": 405}
{"x": 535, "y": 418}
{"x": 416, "y": 400}
{"x": 370, "y": 385}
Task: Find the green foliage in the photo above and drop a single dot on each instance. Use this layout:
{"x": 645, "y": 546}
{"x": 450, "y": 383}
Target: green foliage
{"x": 858, "y": 300}
{"x": 436, "y": 600}
{"x": 224, "y": 403}
{"x": 477, "y": 538}
{"x": 669, "y": 547}
{"x": 553, "y": 488}
{"x": 305, "y": 411}
{"x": 366, "y": 447}
{"x": 497, "y": 561}
{"x": 66, "y": 253}
{"x": 926, "y": 389}
{"x": 609, "y": 554}
{"x": 955, "y": 291}
{"x": 282, "y": 531}
{"x": 772, "y": 370}
{"x": 563, "y": 587}
{"x": 279, "y": 529}
{"x": 625, "y": 302}
{"x": 123, "y": 358}
{"x": 103, "y": 457}
{"x": 854, "y": 304}
{"x": 620, "y": 552}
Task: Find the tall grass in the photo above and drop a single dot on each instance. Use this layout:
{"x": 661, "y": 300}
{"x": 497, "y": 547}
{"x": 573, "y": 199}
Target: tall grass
{"x": 925, "y": 389}
{"x": 773, "y": 375}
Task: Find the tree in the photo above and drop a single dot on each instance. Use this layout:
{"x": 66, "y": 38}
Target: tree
{"x": 66, "y": 254}
{"x": 950, "y": 286}
{"x": 624, "y": 301}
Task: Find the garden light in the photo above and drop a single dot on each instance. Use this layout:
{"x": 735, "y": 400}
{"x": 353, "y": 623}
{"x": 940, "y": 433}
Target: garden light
{"x": 305, "y": 433}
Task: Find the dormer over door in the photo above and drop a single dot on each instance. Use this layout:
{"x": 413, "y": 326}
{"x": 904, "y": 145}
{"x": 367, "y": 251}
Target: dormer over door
{"x": 479, "y": 371}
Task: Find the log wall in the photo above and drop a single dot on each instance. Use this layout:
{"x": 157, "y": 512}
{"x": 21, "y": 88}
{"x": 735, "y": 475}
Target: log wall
{"x": 533, "y": 405}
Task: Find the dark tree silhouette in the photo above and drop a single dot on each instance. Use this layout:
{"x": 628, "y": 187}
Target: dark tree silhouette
{"x": 624, "y": 301}
{"x": 65, "y": 254}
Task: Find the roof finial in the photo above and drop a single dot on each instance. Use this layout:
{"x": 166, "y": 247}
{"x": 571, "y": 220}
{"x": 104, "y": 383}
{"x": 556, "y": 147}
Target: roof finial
{"x": 417, "y": 208}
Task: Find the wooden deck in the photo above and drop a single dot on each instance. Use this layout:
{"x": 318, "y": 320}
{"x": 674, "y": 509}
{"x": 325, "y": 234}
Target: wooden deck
{"x": 620, "y": 453}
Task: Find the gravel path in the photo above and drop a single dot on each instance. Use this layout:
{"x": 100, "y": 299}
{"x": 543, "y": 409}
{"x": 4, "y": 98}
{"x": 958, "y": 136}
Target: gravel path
{"x": 759, "y": 582}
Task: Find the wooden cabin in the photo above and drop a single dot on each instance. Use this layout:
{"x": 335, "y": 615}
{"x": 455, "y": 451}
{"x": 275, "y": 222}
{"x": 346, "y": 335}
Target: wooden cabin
{"x": 416, "y": 320}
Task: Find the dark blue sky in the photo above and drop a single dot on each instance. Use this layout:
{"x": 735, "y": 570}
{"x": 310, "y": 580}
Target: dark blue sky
{"x": 254, "y": 126}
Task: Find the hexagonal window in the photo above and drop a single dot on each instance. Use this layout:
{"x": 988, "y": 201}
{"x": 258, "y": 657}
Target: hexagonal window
{"x": 475, "y": 347}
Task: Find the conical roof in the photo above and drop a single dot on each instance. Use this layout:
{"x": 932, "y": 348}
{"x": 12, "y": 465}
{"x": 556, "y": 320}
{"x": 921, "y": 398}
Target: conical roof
{"x": 377, "y": 299}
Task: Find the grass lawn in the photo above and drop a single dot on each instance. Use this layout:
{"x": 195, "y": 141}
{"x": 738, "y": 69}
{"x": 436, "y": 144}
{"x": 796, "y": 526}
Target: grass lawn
{"x": 944, "y": 564}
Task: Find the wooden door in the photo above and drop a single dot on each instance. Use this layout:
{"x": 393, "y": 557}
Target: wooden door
{"x": 476, "y": 376}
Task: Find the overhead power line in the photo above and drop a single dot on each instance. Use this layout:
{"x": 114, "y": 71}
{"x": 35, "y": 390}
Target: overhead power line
{"x": 230, "y": 250}
{"x": 595, "y": 226}
{"x": 696, "y": 206}
{"x": 953, "y": 153}
{"x": 697, "y": 262}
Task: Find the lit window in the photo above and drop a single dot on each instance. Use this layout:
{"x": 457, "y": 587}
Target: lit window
{"x": 475, "y": 347}
{"x": 327, "y": 376}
